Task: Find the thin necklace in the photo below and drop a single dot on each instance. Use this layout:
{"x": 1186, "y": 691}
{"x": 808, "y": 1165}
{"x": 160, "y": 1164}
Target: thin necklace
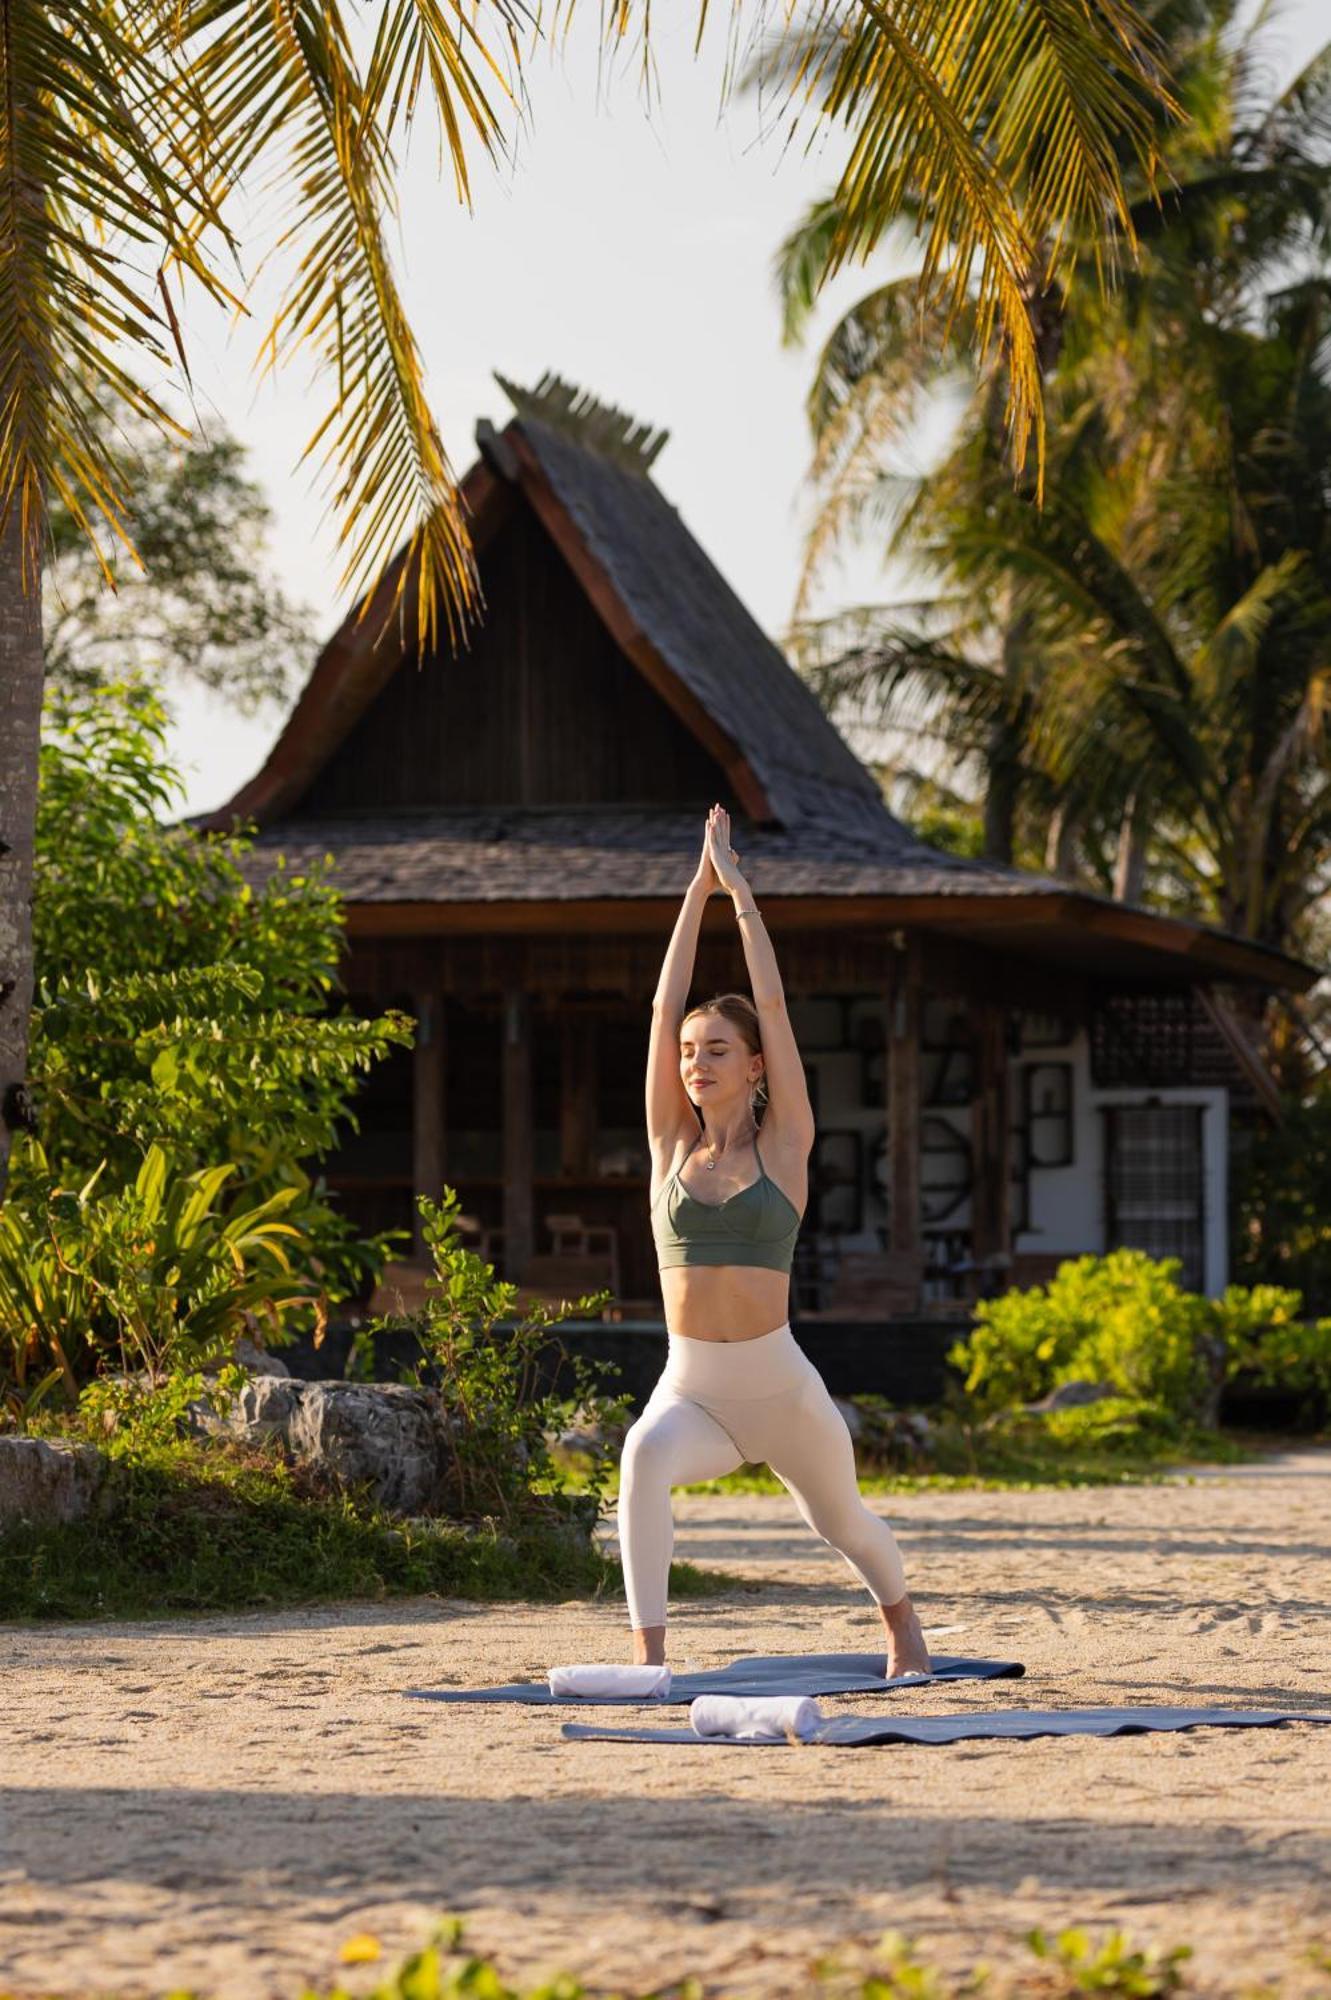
{"x": 711, "y": 1162}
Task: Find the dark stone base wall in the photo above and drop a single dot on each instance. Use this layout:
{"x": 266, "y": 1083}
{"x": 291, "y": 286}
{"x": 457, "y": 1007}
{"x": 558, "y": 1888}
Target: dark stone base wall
{"x": 904, "y": 1360}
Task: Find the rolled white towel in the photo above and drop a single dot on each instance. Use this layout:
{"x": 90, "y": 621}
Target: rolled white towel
{"x": 629, "y": 1683}
{"x": 756, "y": 1717}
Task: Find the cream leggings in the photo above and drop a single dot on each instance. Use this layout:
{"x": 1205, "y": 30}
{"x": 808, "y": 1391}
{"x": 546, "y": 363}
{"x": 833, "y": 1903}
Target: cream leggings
{"x": 720, "y": 1404}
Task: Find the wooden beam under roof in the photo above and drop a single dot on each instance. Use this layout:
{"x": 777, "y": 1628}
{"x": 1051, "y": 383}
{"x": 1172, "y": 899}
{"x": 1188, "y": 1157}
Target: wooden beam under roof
{"x": 1177, "y": 947}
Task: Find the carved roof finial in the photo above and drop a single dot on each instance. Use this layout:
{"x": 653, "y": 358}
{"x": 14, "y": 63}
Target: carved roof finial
{"x": 562, "y": 405}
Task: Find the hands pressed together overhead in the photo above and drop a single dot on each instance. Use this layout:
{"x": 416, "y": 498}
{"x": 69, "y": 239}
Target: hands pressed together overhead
{"x": 719, "y": 866}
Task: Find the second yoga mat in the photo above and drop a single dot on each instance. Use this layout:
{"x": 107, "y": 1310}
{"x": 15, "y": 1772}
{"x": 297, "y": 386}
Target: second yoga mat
{"x": 776, "y": 1673}
{"x": 1011, "y": 1724}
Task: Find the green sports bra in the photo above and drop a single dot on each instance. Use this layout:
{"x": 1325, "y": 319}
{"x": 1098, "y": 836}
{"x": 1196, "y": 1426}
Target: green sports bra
{"x": 758, "y": 1225}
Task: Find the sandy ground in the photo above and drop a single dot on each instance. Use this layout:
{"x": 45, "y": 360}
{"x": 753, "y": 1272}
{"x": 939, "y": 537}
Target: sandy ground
{"x": 219, "y": 1803}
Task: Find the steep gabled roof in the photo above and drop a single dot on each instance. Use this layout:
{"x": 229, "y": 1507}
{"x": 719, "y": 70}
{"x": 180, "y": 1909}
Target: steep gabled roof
{"x": 678, "y": 600}
{"x": 664, "y": 601}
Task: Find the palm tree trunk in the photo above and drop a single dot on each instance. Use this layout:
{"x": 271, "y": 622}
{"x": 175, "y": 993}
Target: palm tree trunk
{"x": 1058, "y": 846}
{"x": 1130, "y": 860}
{"x": 1005, "y": 748}
{"x": 1002, "y": 790}
{"x": 22, "y": 673}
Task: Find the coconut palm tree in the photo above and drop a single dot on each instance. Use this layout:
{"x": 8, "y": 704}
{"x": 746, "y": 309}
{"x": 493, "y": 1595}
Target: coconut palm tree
{"x": 1251, "y": 199}
{"x": 127, "y": 131}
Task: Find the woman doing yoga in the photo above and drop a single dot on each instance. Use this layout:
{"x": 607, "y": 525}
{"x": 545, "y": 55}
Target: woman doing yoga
{"x": 736, "y": 1387}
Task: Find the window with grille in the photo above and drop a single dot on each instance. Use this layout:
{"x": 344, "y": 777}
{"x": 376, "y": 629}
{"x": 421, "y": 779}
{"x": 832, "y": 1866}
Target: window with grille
{"x": 1154, "y": 1186}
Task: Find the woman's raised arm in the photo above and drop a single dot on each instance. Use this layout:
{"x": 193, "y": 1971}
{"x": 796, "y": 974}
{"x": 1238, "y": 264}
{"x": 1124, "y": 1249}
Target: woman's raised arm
{"x": 668, "y": 1103}
{"x": 789, "y": 1112}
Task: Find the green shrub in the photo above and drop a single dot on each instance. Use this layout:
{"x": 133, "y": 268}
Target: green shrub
{"x": 152, "y": 1276}
{"x": 1070, "y": 1964}
{"x": 1269, "y": 1344}
{"x": 488, "y": 1366}
{"x": 1124, "y": 1320}
{"x": 209, "y": 1528}
{"x": 176, "y": 1004}
{"x": 1111, "y": 1965}
{"x": 1117, "y": 1424}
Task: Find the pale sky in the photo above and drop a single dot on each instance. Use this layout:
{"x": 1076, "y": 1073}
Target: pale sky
{"x": 629, "y": 251}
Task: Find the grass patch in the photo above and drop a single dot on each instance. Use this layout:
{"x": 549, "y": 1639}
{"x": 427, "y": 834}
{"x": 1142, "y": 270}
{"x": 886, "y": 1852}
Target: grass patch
{"x": 1016, "y": 1467}
{"x": 1017, "y": 1453}
{"x": 200, "y": 1528}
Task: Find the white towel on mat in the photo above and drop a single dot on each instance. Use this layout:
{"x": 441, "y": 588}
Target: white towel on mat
{"x": 753, "y": 1717}
{"x": 629, "y": 1683}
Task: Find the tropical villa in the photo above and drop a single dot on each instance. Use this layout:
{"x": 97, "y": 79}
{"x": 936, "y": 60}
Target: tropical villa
{"x": 1006, "y": 1069}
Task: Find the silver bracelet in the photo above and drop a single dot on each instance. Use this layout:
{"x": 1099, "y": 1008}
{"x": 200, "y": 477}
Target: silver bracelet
{"x": 748, "y": 913}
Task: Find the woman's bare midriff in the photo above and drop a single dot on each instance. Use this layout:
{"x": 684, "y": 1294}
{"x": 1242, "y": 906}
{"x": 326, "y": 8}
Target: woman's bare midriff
{"x": 724, "y": 1301}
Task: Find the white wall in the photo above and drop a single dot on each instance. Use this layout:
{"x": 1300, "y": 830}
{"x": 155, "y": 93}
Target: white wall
{"x": 1067, "y": 1203}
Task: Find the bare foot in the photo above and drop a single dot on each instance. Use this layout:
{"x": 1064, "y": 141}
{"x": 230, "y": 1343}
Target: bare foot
{"x": 649, "y": 1645}
{"x": 906, "y": 1651}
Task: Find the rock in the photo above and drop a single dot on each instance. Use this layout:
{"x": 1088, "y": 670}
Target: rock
{"x": 388, "y": 1439}
{"x": 584, "y": 1431}
{"x": 884, "y": 1436}
{"x": 853, "y": 1415}
{"x": 1072, "y": 1396}
{"x": 264, "y": 1408}
{"x": 376, "y": 1434}
{"x": 248, "y": 1354}
{"x": 43, "y": 1483}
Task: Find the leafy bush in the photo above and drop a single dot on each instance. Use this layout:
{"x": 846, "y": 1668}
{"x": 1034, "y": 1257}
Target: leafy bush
{"x": 151, "y": 1276}
{"x": 176, "y": 1004}
{"x": 488, "y": 1366}
{"x": 1119, "y": 1319}
{"x": 1070, "y": 1964}
{"x": 1123, "y": 1320}
{"x": 1111, "y": 1965}
{"x": 1116, "y": 1424}
{"x": 208, "y": 1523}
{"x": 200, "y": 1527}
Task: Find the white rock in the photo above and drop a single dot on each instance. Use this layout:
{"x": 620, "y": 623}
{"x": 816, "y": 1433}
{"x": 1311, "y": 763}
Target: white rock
{"x": 44, "y": 1482}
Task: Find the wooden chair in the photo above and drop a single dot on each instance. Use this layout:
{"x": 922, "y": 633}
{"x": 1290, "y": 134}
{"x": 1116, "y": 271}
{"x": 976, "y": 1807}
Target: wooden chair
{"x": 488, "y": 1244}
{"x": 571, "y": 1237}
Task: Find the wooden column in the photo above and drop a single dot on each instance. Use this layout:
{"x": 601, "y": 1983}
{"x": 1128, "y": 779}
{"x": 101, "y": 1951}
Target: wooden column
{"x": 905, "y": 1001}
{"x": 991, "y": 1207}
{"x": 577, "y": 1100}
{"x": 519, "y": 1217}
{"x": 427, "y": 1105}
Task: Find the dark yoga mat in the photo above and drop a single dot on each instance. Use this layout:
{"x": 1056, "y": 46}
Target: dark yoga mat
{"x": 1011, "y": 1724}
{"x": 778, "y": 1673}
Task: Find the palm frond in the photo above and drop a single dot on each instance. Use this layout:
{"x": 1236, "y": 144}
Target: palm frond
{"x": 93, "y": 197}
{"x": 422, "y": 47}
{"x": 1140, "y": 673}
{"x": 952, "y": 106}
{"x": 1226, "y": 661}
{"x": 801, "y": 263}
{"x": 879, "y": 365}
{"x": 283, "y": 91}
{"x": 1301, "y": 115}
